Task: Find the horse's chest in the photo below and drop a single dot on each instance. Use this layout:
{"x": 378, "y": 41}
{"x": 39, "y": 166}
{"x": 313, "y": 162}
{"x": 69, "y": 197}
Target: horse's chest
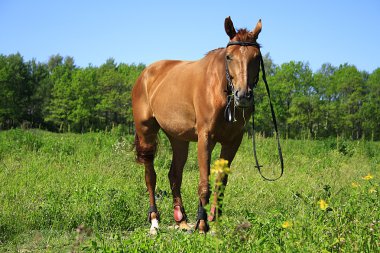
{"x": 224, "y": 132}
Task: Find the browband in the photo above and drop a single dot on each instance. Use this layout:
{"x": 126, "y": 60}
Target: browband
{"x": 241, "y": 43}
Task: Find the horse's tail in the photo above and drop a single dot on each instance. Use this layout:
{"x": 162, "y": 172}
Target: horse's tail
{"x": 144, "y": 154}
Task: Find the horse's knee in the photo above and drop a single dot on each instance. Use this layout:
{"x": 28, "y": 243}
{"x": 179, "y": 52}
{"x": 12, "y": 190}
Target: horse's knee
{"x": 204, "y": 191}
{"x": 149, "y": 171}
{"x": 145, "y": 152}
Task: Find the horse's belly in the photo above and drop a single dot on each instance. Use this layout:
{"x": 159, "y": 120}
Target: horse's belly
{"x": 177, "y": 123}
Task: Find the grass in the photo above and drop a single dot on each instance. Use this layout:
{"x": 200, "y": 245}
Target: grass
{"x": 84, "y": 193}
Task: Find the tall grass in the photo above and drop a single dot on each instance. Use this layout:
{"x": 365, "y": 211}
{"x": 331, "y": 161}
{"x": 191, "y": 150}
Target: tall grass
{"x": 71, "y": 192}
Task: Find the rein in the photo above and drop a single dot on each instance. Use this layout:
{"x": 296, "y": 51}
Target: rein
{"x": 230, "y": 117}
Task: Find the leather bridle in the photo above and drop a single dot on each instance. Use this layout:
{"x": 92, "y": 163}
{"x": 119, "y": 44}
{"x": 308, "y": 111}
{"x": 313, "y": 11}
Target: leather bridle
{"x": 230, "y": 117}
{"x": 228, "y": 114}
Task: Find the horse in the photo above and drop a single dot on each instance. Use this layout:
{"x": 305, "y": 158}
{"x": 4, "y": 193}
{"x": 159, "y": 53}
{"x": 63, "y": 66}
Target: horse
{"x": 205, "y": 101}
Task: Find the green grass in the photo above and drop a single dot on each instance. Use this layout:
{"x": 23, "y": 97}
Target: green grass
{"x": 85, "y": 193}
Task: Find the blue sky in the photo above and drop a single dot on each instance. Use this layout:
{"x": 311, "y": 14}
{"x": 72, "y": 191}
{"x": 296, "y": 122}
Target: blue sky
{"x": 146, "y": 31}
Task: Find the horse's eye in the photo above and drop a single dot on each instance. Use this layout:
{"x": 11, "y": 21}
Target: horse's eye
{"x": 228, "y": 57}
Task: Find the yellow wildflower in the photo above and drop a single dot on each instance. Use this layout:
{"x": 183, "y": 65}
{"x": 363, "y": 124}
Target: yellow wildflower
{"x": 355, "y": 185}
{"x": 221, "y": 163}
{"x": 220, "y": 166}
{"x": 287, "y": 224}
{"x": 372, "y": 190}
{"x": 323, "y": 205}
{"x": 368, "y": 177}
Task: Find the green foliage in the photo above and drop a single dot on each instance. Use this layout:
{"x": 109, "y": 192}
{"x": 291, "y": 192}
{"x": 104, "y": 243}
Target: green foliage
{"x": 60, "y": 96}
{"x": 371, "y": 106}
{"x": 15, "y": 89}
{"x": 84, "y": 192}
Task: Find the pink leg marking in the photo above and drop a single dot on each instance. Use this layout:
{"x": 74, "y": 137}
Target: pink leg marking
{"x": 212, "y": 213}
{"x": 178, "y": 215}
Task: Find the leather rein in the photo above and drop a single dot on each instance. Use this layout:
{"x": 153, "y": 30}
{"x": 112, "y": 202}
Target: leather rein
{"x": 230, "y": 117}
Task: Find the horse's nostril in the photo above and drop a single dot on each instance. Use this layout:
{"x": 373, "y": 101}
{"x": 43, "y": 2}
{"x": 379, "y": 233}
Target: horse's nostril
{"x": 243, "y": 95}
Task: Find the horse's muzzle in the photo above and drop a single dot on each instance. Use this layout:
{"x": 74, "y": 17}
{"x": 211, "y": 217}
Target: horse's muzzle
{"x": 243, "y": 100}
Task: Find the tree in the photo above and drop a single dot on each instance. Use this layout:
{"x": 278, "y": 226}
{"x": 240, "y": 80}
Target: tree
{"x": 54, "y": 62}
{"x": 130, "y": 74}
{"x": 60, "y": 106}
{"x": 350, "y": 96}
{"x": 111, "y": 106}
{"x": 15, "y": 90}
{"x": 327, "y": 96}
{"x": 84, "y": 97}
{"x": 41, "y": 90}
{"x": 371, "y": 107}
{"x": 291, "y": 85}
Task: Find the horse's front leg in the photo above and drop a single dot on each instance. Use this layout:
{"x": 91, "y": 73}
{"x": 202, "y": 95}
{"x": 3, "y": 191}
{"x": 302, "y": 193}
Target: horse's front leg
{"x": 228, "y": 153}
{"x": 205, "y": 147}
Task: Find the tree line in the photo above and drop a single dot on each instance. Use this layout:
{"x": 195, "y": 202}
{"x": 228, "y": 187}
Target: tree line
{"x": 60, "y": 96}
{"x": 333, "y": 101}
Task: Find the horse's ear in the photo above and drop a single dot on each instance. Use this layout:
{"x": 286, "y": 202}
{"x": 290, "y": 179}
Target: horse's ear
{"x": 229, "y": 27}
{"x": 257, "y": 29}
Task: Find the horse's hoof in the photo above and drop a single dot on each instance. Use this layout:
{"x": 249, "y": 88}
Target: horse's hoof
{"x": 184, "y": 226}
{"x": 153, "y": 231}
{"x": 202, "y": 227}
{"x": 154, "y": 227}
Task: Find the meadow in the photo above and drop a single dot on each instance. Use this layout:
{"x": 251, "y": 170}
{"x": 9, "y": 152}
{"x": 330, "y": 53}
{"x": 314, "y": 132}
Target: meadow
{"x": 84, "y": 193}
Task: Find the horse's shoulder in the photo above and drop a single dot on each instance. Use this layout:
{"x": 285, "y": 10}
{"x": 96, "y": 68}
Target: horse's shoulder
{"x": 164, "y": 67}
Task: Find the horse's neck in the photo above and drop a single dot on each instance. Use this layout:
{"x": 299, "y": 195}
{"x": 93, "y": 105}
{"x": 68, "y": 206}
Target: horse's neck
{"x": 216, "y": 66}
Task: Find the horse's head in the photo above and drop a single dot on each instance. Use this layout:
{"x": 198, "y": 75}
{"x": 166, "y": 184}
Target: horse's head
{"x": 242, "y": 62}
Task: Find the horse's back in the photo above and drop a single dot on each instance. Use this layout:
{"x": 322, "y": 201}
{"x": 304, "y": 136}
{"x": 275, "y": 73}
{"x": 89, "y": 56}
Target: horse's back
{"x": 155, "y": 74}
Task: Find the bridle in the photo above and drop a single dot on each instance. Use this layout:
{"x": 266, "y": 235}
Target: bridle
{"x": 230, "y": 85}
{"x": 229, "y": 116}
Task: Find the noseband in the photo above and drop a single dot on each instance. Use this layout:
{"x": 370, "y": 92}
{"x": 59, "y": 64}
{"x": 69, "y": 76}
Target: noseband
{"x": 230, "y": 117}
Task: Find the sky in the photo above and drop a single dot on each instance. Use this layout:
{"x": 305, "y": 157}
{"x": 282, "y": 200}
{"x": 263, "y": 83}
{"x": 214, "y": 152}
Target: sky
{"x": 142, "y": 31}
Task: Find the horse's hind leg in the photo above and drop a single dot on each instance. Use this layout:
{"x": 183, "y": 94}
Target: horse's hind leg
{"x": 180, "y": 152}
{"x": 146, "y": 144}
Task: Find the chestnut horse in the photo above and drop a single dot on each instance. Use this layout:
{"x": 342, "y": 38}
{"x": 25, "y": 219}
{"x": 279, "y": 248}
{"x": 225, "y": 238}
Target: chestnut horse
{"x": 188, "y": 100}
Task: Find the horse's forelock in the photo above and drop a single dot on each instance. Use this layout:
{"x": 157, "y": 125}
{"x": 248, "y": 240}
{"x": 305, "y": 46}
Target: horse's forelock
{"x": 244, "y": 35}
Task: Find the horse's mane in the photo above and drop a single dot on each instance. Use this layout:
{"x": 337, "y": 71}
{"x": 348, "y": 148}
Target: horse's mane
{"x": 243, "y": 35}
{"x": 214, "y": 50}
